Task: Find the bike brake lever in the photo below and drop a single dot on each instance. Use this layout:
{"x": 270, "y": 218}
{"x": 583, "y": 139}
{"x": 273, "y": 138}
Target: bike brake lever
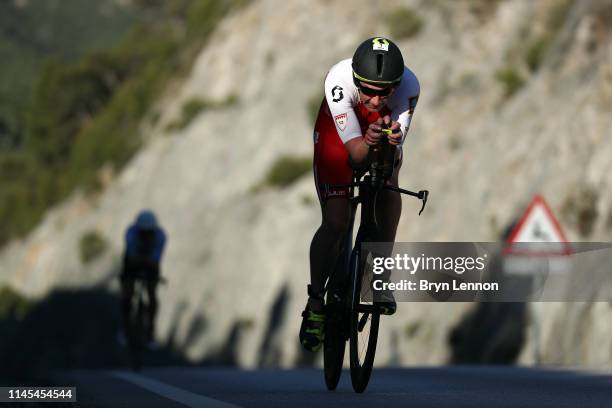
{"x": 423, "y": 194}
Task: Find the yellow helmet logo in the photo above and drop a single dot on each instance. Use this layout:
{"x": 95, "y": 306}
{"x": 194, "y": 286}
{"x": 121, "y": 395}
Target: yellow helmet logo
{"x": 380, "y": 43}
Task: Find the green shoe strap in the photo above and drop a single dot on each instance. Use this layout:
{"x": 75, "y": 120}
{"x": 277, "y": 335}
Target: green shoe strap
{"x": 318, "y": 332}
{"x": 315, "y": 317}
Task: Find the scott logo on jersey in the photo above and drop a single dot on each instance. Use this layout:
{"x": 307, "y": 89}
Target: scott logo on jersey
{"x": 337, "y": 93}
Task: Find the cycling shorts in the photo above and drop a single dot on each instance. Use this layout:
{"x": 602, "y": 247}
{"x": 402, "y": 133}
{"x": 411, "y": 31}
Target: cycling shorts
{"x": 330, "y": 163}
{"x": 132, "y": 269}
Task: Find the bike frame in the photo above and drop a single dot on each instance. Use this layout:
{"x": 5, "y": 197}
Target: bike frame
{"x": 346, "y": 288}
{"x": 138, "y": 318}
{"x": 369, "y": 188}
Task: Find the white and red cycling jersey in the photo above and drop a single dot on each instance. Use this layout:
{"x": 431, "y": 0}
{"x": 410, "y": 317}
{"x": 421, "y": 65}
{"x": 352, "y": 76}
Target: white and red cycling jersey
{"x": 343, "y": 117}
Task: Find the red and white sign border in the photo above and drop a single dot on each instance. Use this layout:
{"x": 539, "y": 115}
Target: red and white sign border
{"x": 537, "y": 200}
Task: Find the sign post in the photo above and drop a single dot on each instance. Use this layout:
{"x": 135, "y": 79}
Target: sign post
{"x": 536, "y": 246}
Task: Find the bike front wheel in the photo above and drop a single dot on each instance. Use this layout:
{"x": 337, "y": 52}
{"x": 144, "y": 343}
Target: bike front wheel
{"x": 364, "y": 326}
{"x": 333, "y": 348}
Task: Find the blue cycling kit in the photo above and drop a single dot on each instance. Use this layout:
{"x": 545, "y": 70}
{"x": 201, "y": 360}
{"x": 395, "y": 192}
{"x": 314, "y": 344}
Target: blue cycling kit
{"x": 149, "y": 244}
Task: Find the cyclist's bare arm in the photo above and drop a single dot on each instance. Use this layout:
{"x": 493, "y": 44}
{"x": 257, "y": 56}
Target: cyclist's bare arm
{"x": 359, "y": 147}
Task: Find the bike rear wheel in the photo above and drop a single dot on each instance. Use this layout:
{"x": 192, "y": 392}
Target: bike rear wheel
{"x": 137, "y": 333}
{"x": 364, "y": 327}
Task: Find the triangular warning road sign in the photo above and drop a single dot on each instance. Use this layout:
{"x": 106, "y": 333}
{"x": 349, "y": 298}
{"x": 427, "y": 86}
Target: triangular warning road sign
{"x": 538, "y": 225}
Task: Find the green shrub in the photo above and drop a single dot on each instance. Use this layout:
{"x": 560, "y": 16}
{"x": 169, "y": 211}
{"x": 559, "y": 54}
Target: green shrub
{"x": 558, "y": 14}
{"x": 484, "y": 10}
{"x": 86, "y": 114}
{"x": 203, "y": 16}
{"x": 246, "y": 322}
{"x": 91, "y": 246}
{"x": 193, "y": 107}
{"x": 579, "y": 210}
{"x": 270, "y": 59}
{"x": 404, "y": 23}
{"x": 23, "y": 194}
{"x": 12, "y": 304}
{"x": 454, "y": 142}
{"x": 412, "y": 329}
{"x": 510, "y": 79}
{"x": 31, "y": 31}
{"x": 308, "y": 200}
{"x": 286, "y": 170}
{"x": 538, "y": 46}
{"x": 14, "y": 311}
{"x": 535, "y": 52}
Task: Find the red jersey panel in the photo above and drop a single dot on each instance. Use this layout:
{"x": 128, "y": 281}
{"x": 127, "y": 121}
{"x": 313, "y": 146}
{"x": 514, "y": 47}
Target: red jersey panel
{"x": 330, "y": 162}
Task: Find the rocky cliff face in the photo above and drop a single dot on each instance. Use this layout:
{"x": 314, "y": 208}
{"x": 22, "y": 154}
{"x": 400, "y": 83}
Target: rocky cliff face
{"x": 237, "y": 259}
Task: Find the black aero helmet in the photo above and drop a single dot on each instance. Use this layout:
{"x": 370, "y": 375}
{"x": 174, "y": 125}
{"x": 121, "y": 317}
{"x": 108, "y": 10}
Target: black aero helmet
{"x": 378, "y": 61}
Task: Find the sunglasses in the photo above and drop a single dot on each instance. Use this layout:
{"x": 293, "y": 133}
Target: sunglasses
{"x": 376, "y": 92}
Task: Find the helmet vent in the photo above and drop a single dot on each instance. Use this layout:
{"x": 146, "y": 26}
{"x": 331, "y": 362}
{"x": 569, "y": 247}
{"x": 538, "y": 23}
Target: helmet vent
{"x": 379, "y": 65}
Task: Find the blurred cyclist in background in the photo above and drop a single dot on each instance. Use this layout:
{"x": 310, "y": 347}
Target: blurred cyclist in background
{"x": 363, "y": 95}
{"x": 144, "y": 246}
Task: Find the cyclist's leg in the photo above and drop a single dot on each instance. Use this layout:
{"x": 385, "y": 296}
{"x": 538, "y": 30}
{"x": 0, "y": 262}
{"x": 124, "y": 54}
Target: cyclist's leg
{"x": 326, "y": 245}
{"x": 388, "y": 213}
{"x": 152, "y": 295}
{"x": 330, "y": 165}
{"x": 127, "y": 291}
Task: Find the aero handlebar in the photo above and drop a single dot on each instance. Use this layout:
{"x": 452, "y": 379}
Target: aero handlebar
{"x": 381, "y": 160}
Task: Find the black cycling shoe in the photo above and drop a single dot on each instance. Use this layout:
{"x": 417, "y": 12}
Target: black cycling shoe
{"x": 313, "y": 322}
{"x": 386, "y": 303}
{"x": 312, "y": 330}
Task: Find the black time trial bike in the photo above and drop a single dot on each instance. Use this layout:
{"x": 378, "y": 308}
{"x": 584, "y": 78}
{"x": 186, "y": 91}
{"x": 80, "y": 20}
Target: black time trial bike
{"x": 351, "y": 313}
{"x": 139, "y": 323}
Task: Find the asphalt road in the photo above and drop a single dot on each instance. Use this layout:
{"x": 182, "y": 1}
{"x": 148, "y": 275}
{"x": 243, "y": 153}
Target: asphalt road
{"x": 469, "y": 386}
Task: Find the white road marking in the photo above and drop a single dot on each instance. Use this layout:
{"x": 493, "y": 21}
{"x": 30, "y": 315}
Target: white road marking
{"x": 168, "y": 391}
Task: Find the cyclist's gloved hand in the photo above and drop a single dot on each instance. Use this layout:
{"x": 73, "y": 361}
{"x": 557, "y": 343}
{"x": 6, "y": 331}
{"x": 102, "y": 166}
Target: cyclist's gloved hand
{"x": 395, "y": 137}
{"x": 374, "y": 133}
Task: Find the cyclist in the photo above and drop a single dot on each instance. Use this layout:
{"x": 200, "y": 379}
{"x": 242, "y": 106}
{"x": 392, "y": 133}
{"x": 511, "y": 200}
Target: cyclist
{"x": 362, "y": 95}
{"x": 144, "y": 246}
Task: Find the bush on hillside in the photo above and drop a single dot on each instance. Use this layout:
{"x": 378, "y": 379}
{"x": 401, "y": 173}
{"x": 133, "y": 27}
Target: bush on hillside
{"x": 195, "y": 106}
{"x": 535, "y": 52}
{"x": 404, "y": 23}
{"x": 510, "y": 80}
{"x": 13, "y": 305}
{"x": 579, "y": 210}
{"x": 85, "y": 115}
{"x": 91, "y": 246}
{"x": 285, "y": 171}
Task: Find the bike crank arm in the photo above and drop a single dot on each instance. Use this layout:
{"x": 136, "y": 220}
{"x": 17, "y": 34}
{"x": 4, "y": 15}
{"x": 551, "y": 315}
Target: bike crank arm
{"x": 367, "y": 309}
